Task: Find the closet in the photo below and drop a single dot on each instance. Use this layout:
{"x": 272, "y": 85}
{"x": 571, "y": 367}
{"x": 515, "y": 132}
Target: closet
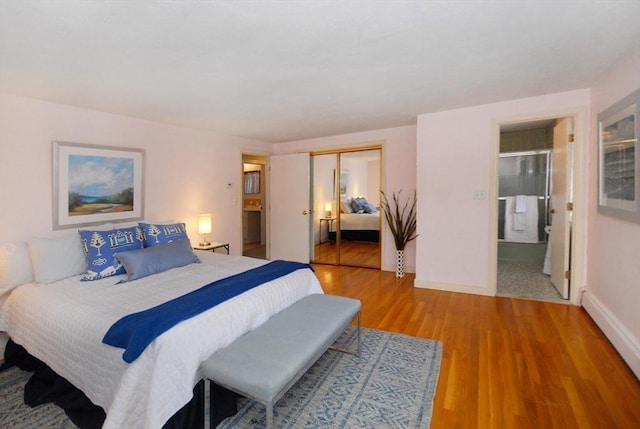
{"x": 346, "y": 207}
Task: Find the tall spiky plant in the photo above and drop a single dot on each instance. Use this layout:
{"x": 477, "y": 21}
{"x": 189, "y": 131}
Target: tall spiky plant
{"x": 402, "y": 222}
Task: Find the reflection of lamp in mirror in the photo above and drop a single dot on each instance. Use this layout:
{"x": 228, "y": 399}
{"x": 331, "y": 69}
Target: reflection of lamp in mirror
{"x": 327, "y": 209}
{"x": 204, "y": 228}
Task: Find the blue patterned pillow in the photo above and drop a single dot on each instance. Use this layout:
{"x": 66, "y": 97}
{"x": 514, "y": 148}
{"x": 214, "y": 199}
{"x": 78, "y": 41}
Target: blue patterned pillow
{"x": 100, "y": 248}
{"x": 155, "y": 234}
{"x": 359, "y": 205}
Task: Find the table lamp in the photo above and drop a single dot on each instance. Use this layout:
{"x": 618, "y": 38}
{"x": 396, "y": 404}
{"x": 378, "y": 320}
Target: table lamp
{"x": 204, "y": 228}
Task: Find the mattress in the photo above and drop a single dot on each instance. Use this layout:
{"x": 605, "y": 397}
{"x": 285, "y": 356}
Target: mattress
{"x": 63, "y": 324}
{"x": 358, "y": 221}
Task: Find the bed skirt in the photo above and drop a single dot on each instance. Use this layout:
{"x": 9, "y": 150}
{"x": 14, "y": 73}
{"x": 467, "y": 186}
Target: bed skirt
{"x": 47, "y": 386}
{"x": 370, "y": 235}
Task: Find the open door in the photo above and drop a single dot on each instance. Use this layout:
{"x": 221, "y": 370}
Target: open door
{"x": 561, "y": 205}
{"x": 290, "y": 207}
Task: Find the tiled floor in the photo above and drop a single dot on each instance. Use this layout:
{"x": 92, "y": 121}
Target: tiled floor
{"x": 525, "y": 280}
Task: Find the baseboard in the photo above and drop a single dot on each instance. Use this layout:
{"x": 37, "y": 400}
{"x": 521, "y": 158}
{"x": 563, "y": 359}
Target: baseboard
{"x": 451, "y": 287}
{"x": 622, "y": 340}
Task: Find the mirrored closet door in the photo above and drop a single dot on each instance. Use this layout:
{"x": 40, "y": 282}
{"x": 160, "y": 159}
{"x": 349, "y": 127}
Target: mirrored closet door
{"x": 346, "y": 195}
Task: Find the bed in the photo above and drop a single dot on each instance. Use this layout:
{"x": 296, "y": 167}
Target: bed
{"x": 357, "y": 227}
{"x": 63, "y": 322}
{"x": 359, "y": 221}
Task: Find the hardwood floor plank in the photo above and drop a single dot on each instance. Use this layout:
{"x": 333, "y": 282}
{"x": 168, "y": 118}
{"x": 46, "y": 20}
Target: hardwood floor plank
{"x": 507, "y": 363}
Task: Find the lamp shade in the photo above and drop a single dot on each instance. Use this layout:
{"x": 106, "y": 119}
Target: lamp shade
{"x": 327, "y": 208}
{"x": 204, "y": 223}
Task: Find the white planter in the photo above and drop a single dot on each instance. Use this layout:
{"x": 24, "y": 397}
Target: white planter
{"x": 399, "y": 263}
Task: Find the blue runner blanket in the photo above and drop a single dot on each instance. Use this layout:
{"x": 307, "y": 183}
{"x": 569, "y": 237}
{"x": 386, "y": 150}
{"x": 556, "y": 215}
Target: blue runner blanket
{"x": 136, "y": 331}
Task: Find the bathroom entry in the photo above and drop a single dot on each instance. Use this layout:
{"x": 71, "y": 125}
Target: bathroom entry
{"x": 534, "y": 209}
{"x": 253, "y": 203}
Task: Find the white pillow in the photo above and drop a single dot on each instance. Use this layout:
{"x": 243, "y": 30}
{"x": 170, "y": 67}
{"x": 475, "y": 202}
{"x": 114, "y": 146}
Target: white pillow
{"x": 15, "y": 266}
{"x": 54, "y": 259}
{"x": 345, "y": 205}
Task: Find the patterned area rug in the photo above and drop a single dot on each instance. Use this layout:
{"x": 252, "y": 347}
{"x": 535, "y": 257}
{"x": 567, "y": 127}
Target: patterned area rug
{"x": 390, "y": 385}
{"x": 15, "y": 414}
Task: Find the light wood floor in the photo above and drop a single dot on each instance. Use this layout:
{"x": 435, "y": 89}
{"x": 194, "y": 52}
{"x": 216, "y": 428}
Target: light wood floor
{"x": 352, "y": 253}
{"x": 507, "y": 363}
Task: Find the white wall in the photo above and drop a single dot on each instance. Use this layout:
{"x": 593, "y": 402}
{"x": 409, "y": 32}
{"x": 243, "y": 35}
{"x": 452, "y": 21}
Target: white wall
{"x": 357, "y": 168}
{"x": 373, "y": 182}
{"x": 186, "y": 170}
{"x": 457, "y": 152}
{"x": 398, "y": 171}
{"x": 612, "y": 295}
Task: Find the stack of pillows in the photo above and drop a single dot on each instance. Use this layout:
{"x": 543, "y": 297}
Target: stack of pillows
{"x": 103, "y": 251}
{"x": 136, "y": 251}
{"x": 357, "y": 205}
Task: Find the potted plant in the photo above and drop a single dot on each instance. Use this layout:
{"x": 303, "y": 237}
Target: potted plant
{"x": 402, "y": 223}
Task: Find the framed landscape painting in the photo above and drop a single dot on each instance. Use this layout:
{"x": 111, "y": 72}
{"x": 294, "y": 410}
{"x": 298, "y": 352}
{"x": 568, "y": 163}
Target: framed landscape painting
{"x": 96, "y": 184}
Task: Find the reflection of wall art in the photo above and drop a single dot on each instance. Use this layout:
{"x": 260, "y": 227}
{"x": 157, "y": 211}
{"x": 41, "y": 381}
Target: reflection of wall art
{"x": 344, "y": 182}
{"x": 618, "y": 159}
{"x": 96, "y": 184}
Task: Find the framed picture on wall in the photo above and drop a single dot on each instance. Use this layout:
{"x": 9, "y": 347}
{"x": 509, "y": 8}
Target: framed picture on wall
{"x": 96, "y": 184}
{"x": 343, "y": 183}
{"x": 618, "y": 159}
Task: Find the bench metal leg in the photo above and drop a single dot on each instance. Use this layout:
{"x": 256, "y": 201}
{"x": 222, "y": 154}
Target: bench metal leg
{"x": 358, "y": 349}
{"x": 351, "y": 352}
{"x": 269, "y": 415}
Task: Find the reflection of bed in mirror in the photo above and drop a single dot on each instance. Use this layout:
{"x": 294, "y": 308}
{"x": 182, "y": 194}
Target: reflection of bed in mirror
{"x": 359, "y": 221}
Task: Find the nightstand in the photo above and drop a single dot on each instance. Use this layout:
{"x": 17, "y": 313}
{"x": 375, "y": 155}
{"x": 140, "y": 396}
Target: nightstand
{"x": 213, "y": 246}
{"x": 329, "y": 222}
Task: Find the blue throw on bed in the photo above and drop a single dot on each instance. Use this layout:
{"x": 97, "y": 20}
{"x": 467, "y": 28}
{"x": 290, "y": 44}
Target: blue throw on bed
{"x": 136, "y": 331}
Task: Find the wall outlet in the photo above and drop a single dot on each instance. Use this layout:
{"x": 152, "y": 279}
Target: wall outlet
{"x": 479, "y": 194}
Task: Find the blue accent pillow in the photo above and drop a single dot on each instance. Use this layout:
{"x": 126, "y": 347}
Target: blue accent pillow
{"x": 156, "y": 259}
{"x": 100, "y": 248}
{"x": 159, "y": 233}
{"x": 360, "y": 205}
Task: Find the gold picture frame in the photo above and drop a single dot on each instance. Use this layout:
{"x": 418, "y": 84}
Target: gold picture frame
{"x": 96, "y": 184}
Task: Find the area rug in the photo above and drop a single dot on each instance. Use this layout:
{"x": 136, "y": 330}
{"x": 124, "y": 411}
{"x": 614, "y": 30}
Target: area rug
{"x": 15, "y": 414}
{"x": 391, "y": 384}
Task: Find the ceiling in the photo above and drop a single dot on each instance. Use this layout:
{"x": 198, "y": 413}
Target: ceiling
{"x": 279, "y": 71}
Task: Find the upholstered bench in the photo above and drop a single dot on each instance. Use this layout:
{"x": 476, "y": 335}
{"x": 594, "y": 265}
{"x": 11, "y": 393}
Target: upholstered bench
{"x": 264, "y": 363}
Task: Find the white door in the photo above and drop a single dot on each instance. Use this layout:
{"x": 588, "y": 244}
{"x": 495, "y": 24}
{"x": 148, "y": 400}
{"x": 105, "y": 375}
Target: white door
{"x": 290, "y": 207}
{"x": 561, "y": 197}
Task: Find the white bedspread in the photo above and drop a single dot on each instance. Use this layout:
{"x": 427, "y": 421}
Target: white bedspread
{"x": 63, "y": 324}
{"x": 358, "y": 221}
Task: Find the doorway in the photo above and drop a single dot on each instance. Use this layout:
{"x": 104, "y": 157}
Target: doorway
{"x": 254, "y": 188}
{"x": 535, "y": 170}
{"x": 346, "y": 202}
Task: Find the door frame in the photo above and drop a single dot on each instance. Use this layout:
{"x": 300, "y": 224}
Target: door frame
{"x": 580, "y": 196}
{"x": 251, "y": 157}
